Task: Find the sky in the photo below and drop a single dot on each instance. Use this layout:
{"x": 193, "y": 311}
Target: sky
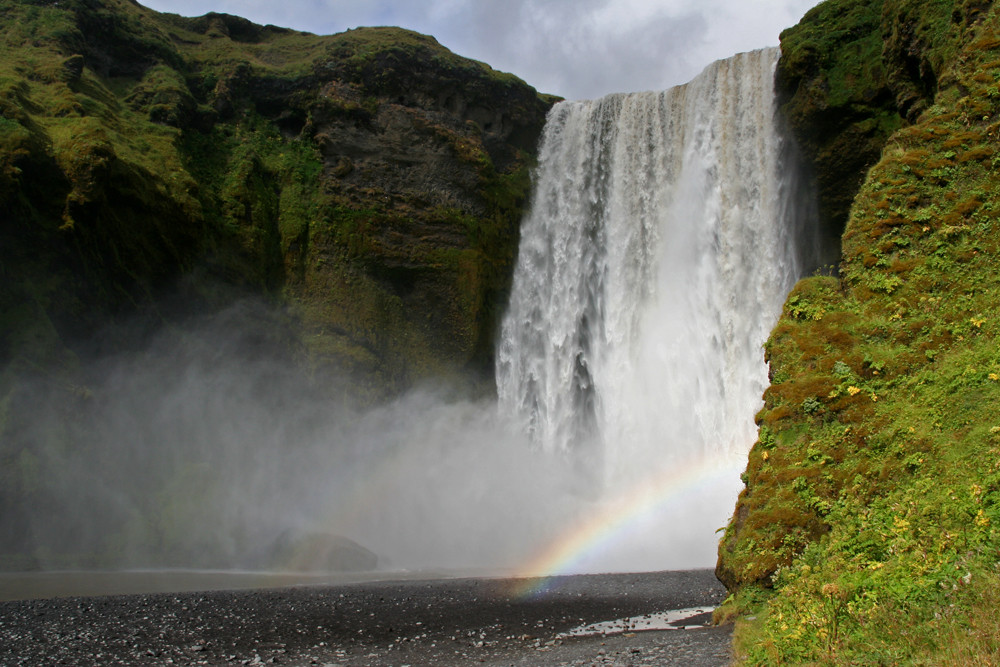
{"x": 577, "y": 49}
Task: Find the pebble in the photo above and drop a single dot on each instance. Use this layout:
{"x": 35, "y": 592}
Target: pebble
{"x": 449, "y": 622}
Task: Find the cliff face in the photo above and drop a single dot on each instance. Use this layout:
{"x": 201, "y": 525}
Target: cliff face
{"x": 369, "y": 181}
{"x": 867, "y": 529}
{"x": 292, "y": 219}
{"x": 852, "y": 73}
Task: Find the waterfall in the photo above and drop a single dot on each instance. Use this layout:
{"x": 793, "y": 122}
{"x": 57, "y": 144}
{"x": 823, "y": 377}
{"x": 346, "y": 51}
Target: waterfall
{"x": 665, "y": 231}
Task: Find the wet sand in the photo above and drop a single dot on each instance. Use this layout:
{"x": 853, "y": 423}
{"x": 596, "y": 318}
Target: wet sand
{"x": 467, "y": 621}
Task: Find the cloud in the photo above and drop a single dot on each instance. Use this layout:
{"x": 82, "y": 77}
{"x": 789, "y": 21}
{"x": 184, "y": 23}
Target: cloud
{"x": 574, "y": 48}
{"x": 578, "y": 49}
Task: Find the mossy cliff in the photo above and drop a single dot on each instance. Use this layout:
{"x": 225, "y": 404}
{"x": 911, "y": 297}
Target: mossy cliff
{"x": 300, "y": 221}
{"x": 370, "y": 182}
{"x": 868, "y": 529}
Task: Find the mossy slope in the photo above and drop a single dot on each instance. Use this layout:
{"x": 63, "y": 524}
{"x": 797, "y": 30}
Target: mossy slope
{"x": 140, "y": 147}
{"x": 867, "y": 532}
{"x": 155, "y": 169}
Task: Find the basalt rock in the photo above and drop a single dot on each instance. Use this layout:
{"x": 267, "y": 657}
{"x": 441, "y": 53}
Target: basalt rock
{"x": 370, "y": 182}
{"x": 343, "y": 209}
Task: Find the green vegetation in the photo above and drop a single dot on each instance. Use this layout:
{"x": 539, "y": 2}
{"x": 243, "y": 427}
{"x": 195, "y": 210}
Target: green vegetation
{"x": 155, "y": 168}
{"x": 852, "y": 72}
{"x": 140, "y": 147}
{"x": 868, "y": 531}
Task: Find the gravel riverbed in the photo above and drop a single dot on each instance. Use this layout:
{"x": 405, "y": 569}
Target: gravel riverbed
{"x": 471, "y": 621}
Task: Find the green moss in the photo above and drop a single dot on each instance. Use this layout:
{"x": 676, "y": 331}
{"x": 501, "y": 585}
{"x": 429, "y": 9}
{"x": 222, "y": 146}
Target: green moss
{"x": 374, "y": 54}
{"x": 154, "y": 168}
{"x": 842, "y": 40}
{"x": 852, "y": 72}
{"x": 872, "y": 495}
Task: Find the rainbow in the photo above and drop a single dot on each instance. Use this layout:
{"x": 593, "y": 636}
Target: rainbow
{"x": 564, "y": 554}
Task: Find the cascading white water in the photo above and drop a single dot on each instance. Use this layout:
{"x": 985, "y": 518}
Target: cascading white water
{"x": 664, "y": 234}
{"x": 665, "y": 231}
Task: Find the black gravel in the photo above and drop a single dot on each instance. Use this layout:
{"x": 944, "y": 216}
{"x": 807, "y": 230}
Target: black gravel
{"x": 442, "y": 622}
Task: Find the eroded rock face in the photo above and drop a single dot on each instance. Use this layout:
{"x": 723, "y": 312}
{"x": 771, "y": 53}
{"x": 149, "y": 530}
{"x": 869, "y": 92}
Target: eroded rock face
{"x": 156, "y": 170}
{"x": 371, "y": 181}
{"x": 426, "y": 170}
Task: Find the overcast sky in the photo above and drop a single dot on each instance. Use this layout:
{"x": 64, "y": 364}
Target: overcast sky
{"x": 578, "y": 49}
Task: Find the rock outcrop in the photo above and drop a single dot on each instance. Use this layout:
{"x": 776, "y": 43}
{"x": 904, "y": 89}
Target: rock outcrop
{"x": 854, "y": 72}
{"x": 307, "y": 220}
{"x": 370, "y": 181}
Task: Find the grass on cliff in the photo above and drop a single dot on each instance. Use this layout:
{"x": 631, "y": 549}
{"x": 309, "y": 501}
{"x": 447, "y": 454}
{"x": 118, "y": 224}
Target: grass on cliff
{"x": 827, "y": 39}
{"x": 874, "y": 506}
{"x": 75, "y": 114}
{"x": 144, "y": 155}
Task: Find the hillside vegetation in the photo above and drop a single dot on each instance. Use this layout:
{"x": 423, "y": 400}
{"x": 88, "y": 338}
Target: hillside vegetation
{"x": 349, "y": 203}
{"x": 868, "y": 529}
{"x": 372, "y": 180}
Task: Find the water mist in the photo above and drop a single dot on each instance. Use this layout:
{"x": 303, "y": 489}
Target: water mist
{"x": 665, "y": 230}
